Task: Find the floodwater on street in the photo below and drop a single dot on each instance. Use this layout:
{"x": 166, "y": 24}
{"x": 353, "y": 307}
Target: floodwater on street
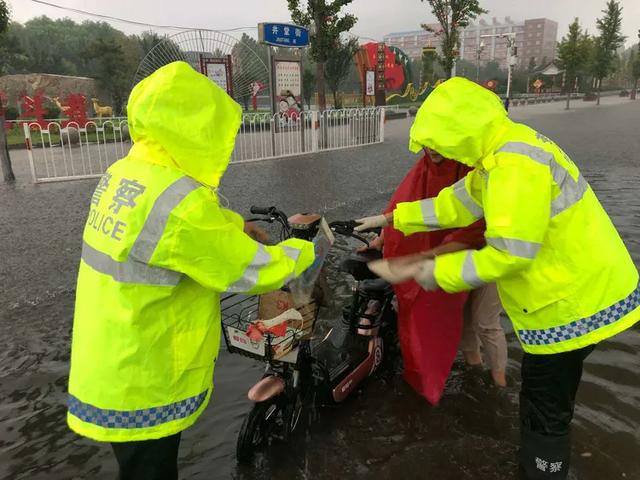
{"x": 385, "y": 430}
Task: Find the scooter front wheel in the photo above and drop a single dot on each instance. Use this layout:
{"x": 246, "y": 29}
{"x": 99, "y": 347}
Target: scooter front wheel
{"x": 291, "y": 416}
{"x": 255, "y": 430}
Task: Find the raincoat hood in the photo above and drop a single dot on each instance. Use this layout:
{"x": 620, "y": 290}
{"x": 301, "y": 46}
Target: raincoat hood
{"x": 459, "y": 120}
{"x": 184, "y": 120}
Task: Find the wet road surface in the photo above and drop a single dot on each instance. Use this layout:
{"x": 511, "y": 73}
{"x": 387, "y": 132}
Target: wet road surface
{"x": 384, "y": 430}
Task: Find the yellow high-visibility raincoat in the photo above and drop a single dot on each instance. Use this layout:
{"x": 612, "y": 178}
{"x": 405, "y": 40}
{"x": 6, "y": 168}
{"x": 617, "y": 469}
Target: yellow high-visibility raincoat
{"x": 157, "y": 251}
{"x": 564, "y": 275}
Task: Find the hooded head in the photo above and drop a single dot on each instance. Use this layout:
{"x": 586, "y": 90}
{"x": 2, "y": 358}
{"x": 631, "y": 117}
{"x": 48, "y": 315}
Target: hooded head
{"x": 459, "y": 120}
{"x": 186, "y": 119}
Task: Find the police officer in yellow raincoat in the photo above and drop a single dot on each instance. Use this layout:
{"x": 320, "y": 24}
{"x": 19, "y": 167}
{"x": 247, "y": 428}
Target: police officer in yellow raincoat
{"x": 565, "y": 277}
{"x": 157, "y": 251}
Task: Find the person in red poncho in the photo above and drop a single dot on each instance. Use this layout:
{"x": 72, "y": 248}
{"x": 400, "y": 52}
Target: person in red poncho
{"x": 433, "y": 324}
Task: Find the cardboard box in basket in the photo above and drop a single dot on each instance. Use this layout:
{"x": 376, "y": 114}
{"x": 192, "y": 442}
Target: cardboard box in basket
{"x": 274, "y": 303}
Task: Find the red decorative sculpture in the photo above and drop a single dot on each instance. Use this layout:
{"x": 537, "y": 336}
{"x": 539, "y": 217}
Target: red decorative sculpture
{"x": 32, "y": 107}
{"x": 393, "y": 72}
{"x": 76, "y": 110}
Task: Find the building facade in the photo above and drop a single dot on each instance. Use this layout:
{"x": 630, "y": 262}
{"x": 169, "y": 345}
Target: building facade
{"x": 540, "y": 41}
{"x": 412, "y": 42}
{"x": 534, "y": 38}
{"x": 479, "y": 39}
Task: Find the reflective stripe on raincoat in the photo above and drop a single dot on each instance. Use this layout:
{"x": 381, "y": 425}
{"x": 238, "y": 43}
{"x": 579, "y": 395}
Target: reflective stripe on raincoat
{"x": 564, "y": 275}
{"x": 157, "y": 251}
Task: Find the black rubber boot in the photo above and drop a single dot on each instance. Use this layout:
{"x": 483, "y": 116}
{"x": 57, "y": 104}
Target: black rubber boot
{"x": 544, "y": 457}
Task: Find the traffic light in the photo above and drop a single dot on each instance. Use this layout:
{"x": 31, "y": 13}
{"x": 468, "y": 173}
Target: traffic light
{"x": 426, "y": 50}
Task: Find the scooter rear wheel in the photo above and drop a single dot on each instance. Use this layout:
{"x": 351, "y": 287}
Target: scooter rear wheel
{"x": 254, "y": 430}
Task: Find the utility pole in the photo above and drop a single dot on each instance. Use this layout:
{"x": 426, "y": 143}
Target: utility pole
{"x": 454, "y": 72}
{"x": 511, "y": 52}
{"x": 510, "y": 42}
{"x": 479, "y": 51}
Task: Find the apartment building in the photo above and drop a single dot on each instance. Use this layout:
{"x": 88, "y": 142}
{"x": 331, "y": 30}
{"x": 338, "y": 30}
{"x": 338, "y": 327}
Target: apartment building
{"x": 540, "y": 41}
{"x": 534, "y": 38}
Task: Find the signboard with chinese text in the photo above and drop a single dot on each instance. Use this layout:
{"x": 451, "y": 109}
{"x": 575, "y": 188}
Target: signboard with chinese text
{"x": 380, "y": 77}
{"x": 218, "y": 70}
{"x": 288, "y": 87}
{"x": 239, "y": 339}
{"x": 217, "y": 73}
{"x": 370, "y": 83}
{"x": 283, "y": 35}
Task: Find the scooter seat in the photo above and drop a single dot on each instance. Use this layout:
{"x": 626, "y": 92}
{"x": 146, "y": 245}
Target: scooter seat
{"x": 356, "y": 265}
{"x": 375, "y": 288}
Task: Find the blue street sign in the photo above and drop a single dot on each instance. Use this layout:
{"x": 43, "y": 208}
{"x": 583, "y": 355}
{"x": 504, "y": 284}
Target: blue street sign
{"x": 283, "y": 35}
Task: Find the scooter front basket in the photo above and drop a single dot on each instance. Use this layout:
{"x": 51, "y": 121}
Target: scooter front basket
{"x": 237, "y": 315}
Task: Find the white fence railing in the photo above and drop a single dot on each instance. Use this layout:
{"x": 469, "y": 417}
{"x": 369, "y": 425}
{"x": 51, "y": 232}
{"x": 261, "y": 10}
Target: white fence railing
{"x": 263, "y": 136}
{"x": 70, "y": 152}
{"x": 58, "y": 152}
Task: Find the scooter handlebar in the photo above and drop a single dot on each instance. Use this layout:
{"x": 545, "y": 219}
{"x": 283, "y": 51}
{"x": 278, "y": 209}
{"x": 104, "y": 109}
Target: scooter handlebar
{"x": 346, "y": 228}
{"x": 262, "y": 210}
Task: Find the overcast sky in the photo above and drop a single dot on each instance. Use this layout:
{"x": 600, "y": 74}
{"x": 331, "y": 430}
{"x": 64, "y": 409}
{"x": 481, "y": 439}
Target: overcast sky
{"x": 375, "y": 17}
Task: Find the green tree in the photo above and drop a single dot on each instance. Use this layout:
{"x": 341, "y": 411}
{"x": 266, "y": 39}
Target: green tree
{"x": 43, "y": 45}
{"x": 12, "y": 56}
{"x": 622, "y": 68}
{"x": 145, "y": 58}
{"x": 573, "y": 55}
{"x": 532, "y": 65}
{"x": 609, "y": 40}
{"x": 492, "y": 71}
{"x": 327, "y": 23}
{"x": 453, "y": 16}
{"x": 148, "y": 41}
{"x": 5, "y": 159}
{"x": 250, "y": 62}
{"x": 338, "y": 67}
{"x": 635, "y": 69}
{"x": 4, "y": 27}
{"x": 64, "y": 47}
{"x": 242, "y": 81}
{"x": 111, "y": 72}
{"x": 308, "y": 83}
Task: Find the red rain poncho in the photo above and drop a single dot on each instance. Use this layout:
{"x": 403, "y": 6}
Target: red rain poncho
{"x": 429, "y": 323}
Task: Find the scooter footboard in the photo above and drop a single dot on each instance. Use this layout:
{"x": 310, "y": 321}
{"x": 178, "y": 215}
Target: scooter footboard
{"x": 362, "y": 371}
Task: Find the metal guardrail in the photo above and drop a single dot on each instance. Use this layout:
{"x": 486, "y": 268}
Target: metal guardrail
{"x": 265, "y": 136}
{"x": 534, "y": 99}
{"x": 69, "y": 152}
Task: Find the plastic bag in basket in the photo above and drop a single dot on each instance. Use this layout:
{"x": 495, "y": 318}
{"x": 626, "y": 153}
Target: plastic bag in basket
{"x": 302, "y": 287}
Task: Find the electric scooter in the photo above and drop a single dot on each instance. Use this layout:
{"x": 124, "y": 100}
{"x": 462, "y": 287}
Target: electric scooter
{"x": 327, "y": 368}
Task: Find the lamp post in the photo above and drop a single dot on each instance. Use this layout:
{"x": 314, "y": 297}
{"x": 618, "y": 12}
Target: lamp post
{"x": 511, "y": 52}
{"x": 479, "y": 51}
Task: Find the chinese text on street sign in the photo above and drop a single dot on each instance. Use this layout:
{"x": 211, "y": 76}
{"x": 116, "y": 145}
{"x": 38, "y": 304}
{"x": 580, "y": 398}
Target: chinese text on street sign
{"x": 283, "y": 35}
